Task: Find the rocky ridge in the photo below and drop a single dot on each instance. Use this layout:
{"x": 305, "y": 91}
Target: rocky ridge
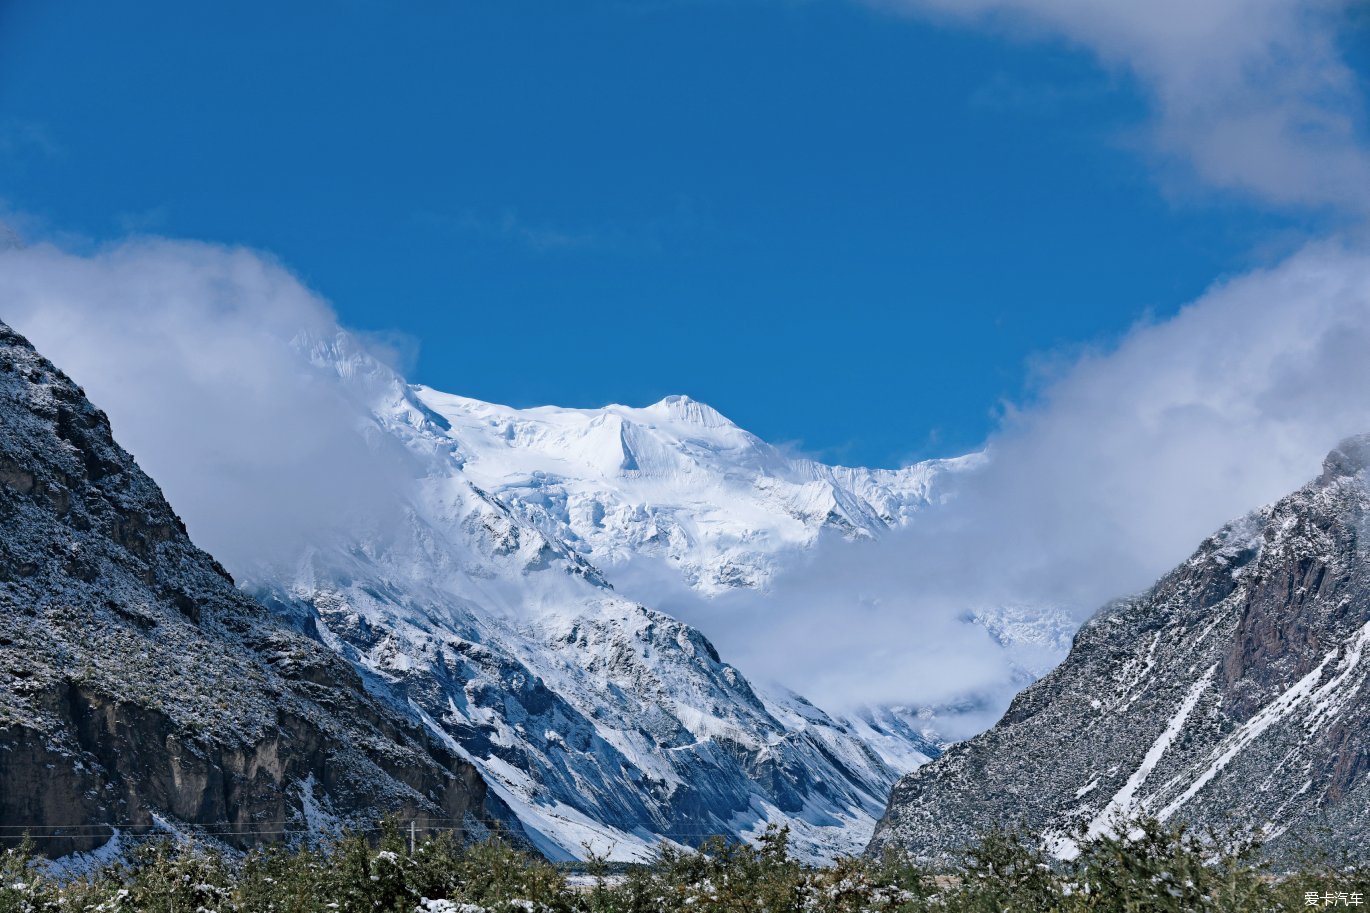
{"x": 140, "y": 689}
{"x": 1230, "y": 695}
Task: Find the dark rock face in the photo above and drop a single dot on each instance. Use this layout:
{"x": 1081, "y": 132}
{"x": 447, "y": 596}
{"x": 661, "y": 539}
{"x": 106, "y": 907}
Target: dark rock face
{"x": 137, "y": 681}
{"x": 1232, "y": 694}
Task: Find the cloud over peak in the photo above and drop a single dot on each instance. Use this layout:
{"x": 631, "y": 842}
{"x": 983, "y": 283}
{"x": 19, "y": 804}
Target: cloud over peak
{"x": 189, "y": 347}
{"x": 1125, "y": 461}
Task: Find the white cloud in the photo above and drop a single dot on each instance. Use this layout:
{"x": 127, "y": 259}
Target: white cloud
{"x": 1123, "y": 464}
{"x": 187, "y": 347}
{"x": 1253, "y": 95}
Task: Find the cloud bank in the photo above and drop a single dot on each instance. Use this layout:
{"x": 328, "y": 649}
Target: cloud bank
{"x": 1253, "y": 95}
{"x": 1127, "y": 458}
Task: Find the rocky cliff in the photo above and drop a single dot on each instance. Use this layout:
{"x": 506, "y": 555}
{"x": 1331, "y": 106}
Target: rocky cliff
{"x": 139, "y": 688}
{"x": 1231, "y": 694}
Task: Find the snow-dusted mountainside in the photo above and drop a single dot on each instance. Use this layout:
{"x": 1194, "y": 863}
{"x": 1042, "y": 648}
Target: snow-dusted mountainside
{"x": 481, "y": 611}
{"x": 674, "y": 481}
{"x": 1233, "y": 693}
{"x": 139, "y": 688}
{"x": 675, "y": 494}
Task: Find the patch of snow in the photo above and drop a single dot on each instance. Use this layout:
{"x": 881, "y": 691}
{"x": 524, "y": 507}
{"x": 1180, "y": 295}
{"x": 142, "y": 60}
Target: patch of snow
{"x": 1123, "y": 803}
{"x": 1060, "y": 846}
{"x": 74, "y": 865}
{"x": 318, "y": 822}
{"x": 1305, "y": 690}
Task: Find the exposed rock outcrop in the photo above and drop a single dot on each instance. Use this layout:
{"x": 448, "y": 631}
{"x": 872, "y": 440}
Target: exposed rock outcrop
{"x": 1232, "y": 694}
{"x": 137, "y": 682}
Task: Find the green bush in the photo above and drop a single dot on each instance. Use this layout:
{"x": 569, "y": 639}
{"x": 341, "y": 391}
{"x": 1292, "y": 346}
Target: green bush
{"x": 723, "y": 876}
{"x": 23, "y": 887}
{"x": 158, "y": 878}
{"x": 1153, "y": 868}
{"x": 275, "y": 879}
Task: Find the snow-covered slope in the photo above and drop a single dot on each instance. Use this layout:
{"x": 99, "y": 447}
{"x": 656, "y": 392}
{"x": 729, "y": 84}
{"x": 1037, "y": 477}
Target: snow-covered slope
{"x": 674, "y": 481}
{"x": 482, "y": 608}
{"x": 1232, "y": 694}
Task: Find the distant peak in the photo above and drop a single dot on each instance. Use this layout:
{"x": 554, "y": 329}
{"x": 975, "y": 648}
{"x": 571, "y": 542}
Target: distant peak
{"x": 1349, "y": 457}
{"x": 684, "y": 408}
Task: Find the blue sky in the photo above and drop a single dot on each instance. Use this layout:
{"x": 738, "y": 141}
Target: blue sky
{"x": 846, "y": 229}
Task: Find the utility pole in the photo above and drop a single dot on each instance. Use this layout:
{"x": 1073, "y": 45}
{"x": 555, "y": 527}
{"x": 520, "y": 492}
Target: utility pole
{"x": 411, "y": 836}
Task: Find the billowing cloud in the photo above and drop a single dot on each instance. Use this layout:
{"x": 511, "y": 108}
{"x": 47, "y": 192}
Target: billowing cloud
{"x": 1121, "y": 465}
{"x": 1253, "y": 95}
{"x": 188, "y": 348}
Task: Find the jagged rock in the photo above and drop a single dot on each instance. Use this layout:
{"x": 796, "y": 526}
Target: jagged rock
{"x": 137, "y": 682}
{"x": 1230, "y": 695}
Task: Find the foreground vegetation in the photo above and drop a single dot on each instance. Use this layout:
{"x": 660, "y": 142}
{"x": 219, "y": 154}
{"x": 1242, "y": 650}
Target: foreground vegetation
{"x": 1157, "y": 869}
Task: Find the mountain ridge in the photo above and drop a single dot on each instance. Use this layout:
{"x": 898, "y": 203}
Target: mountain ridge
{"x": 470, "y": 605}
{"x": 674, "y": 480}
{"x": 141, "y": 690}
{"x": 596, "y": 718}
{"x": 1231, "y": 693}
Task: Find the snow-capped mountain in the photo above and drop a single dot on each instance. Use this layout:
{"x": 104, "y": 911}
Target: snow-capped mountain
{"x": 485, "y": 609}
{"x": 674, "y": 481}
{"x": 1231, "y": 694}
{"x": 676, "y": 495}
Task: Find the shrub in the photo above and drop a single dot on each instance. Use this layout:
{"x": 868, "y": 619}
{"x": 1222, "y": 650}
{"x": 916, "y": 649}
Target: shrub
{"x": 1153, "y": 868}
{"x": 23, "y": 886}
{"x": 162, "y": 878}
